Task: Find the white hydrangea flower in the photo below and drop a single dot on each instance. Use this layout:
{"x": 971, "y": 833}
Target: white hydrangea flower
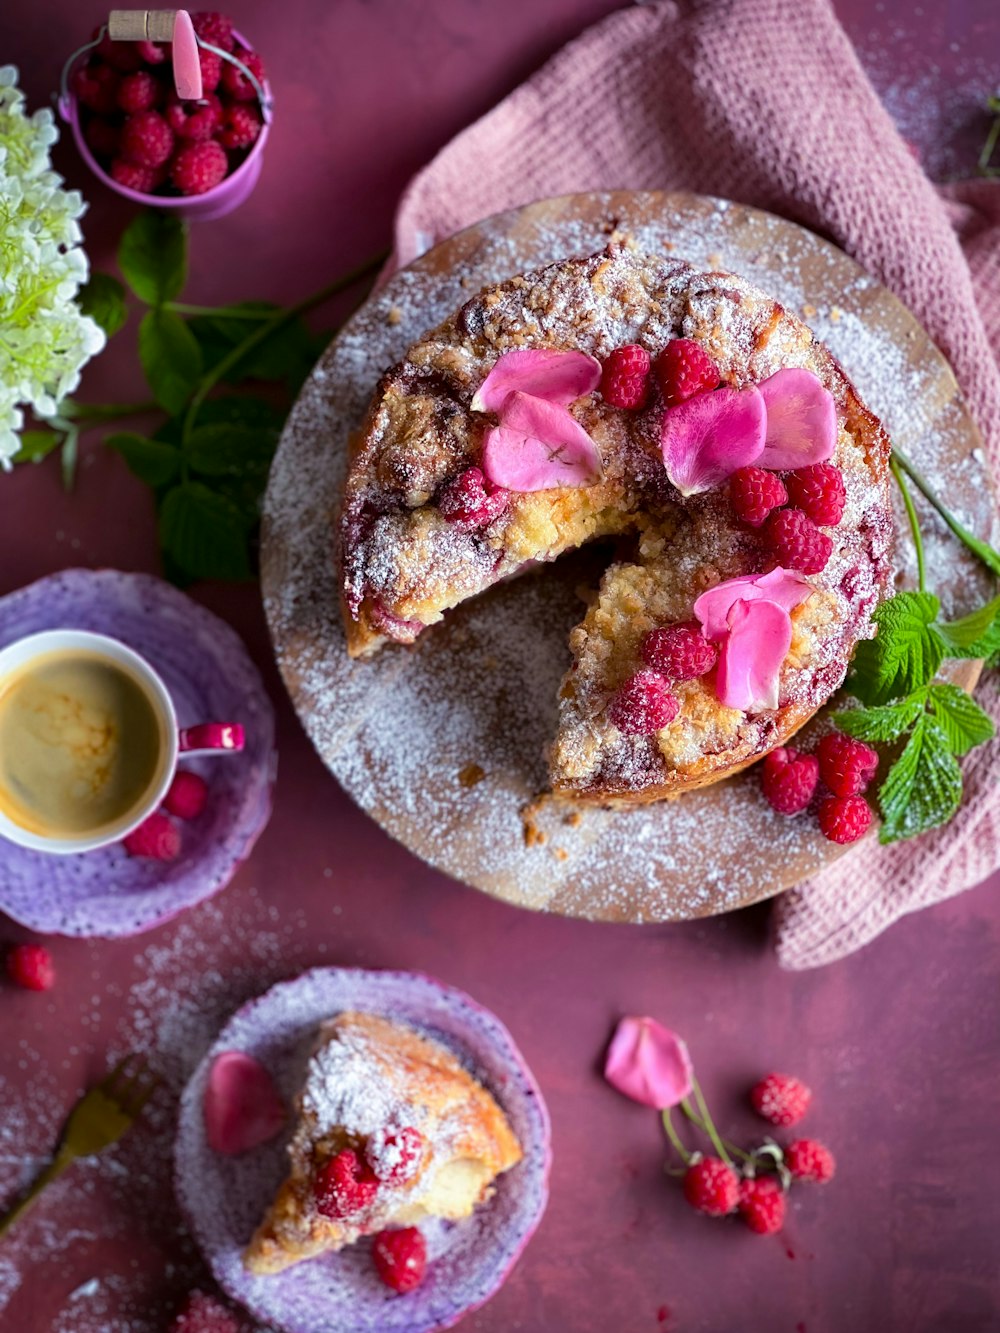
{"x": 44, "y": 339}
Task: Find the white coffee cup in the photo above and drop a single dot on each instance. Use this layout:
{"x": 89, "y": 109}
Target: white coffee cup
{"x": 208, "y": 738}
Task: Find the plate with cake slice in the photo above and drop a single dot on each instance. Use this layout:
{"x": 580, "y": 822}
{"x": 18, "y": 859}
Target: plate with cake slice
{"x": 582, "y": 515}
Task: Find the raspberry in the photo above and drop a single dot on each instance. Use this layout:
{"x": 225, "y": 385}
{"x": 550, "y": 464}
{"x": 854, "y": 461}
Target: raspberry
{"x": 214, "y": 28}
{"x": 819, "y": 492}
{"x": 156, "y": 837}
{"x": 121, "y": 56}
{"x": 400, "y": 1258}
{"x": 30, "y": 966}
{"x": 134, "y": 177}
{"x": 797, "y": 542}
{"x": 199, "y": 167}
{"x": 345, "y": 1186}
{"x": 712, "y": 1187}
{"x": 754, "y": 492}
{"x": 211, "y": 70}
{"x": 139, "y": 91}
{"x": 236, "y": 83}
{"x": 153, "y": 53}
{"x": 762, "y": 1205}
{"x": 95, "y": 86}
{"x": 394, "y": 1154}
{"x": 241, "y": 124}
{"x": 809, "y": 1160}
{"x": 187, "y": 795}
{"x": 846, "y": 765}
{"x": 643, "y": 705}
{"x": 204, "y": 1314}
{"x": 194, "y": 121}
{"x": 844, "y": 819}
{"x": 679, "y": 652}
{"x": 788, "y": 779}
{"x": 102, "y": 136}
{"x": 683, "y": 369}
{"x": 147, "y": 139}
{"x": 781, "y": 1099}
{"x": 471, "y": 501}
{"x": 624, "y": 378}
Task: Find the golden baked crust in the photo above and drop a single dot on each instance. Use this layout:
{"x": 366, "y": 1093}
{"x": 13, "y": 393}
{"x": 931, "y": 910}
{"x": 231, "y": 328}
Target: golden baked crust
{"x": 366, "y": 1074}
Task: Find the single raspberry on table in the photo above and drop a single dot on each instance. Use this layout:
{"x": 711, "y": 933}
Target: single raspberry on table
{"x": 781, "y": 1098}
{"x": 394, "y": 1154}
{"x": 194, "y": 121}
{"x": 95, "y": 86}
{"x": 214, "y": 28}
{"x": 156, "y": 837}
{"x": 643, "y": 705}
{"x": 471, "y": 501}
{"x": 819, "y": 492}
{"x": 679, "y": 652}
{"x": 236, "y": 83}
{"x": 683, "y": 369}
{"x": 345, "y": 1185}
{"x": 400, "y": 1258}
{"x": 187, "y": 795}
{"x": 140, "y": 91}
{"x": 762, "y": 1205}
{"x": 788, "y": 779}
{"x": 30, "y": 966}
{"x": 204, "y": 1314}
{"x": 846, "y": 765}
{"x": 240, "y": 125}
{"x": 754, "y": 492}
{"x": 808, "y": 1159}
{"x": 147, "y": 139}
{"x": 844, "y": 819}
{"x": 625, "y": 376}
{"x": 797, "y": 541}
{"x": 712, "y": 1187}
{"x": 199, "y": 167}
{"x": 102, "y": 136}
{"x": 143, "y": 179}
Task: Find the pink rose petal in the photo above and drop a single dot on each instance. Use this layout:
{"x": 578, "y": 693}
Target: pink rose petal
{"x": 760, "y": 634}
{"x": 557, "y": 377}
{"x": 242, "y": 1107}
{"x": 783, "y": 587}
{"x": 801, "y": 420}
{"x": 708, "y": 437}
{"x": 538, "y": 446}
{"x": 648, "y": 1063}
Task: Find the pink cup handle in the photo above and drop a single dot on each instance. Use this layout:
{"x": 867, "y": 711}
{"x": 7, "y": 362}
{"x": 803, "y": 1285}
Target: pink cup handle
{"x": 187, "y": 63}
{"x": 211, "y": 736}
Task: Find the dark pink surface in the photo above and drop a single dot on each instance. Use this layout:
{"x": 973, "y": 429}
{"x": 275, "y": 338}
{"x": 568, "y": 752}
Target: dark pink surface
{"x": 900, "y": 1042}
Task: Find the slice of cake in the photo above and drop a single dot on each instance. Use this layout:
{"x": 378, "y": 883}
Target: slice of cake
{"x": 689, "y": 415}
{"x": 391, "y": 1129}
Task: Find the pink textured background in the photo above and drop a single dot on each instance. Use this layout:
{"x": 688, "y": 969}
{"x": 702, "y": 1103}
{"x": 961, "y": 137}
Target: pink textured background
{"x": 900, "y": 1042}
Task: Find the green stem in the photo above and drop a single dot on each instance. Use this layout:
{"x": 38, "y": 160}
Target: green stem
{"x": 674, "y": 1137}
{"x": 698, "y": 1123}
{"x": 709, "y": 1127}
{"x": 218, "y": 311}
{"x": 982, "y": 550}
{"x": 96, "y": 414}
{"x": 986, "y": 156}
{"x": 911, "y": 514}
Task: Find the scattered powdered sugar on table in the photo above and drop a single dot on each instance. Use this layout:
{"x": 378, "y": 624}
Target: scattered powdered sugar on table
{"x": 478, "y": 693}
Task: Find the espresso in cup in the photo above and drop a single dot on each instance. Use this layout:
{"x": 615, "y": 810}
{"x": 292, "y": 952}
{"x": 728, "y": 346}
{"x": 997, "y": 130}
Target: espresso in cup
{"x": 82, "y": 745}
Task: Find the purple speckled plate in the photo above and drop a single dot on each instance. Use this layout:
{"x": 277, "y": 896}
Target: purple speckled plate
{"x": 211, "y": 678}
{"x": 224, "y": 1198}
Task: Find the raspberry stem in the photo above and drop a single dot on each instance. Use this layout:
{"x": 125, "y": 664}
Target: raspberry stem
{"x": 911, "y": 513}
{"x": 982, "y": 550}
{"x": 674, "y": 1137}
{"x": 707, "y": 1123}
{"x": 698, "y": 1123}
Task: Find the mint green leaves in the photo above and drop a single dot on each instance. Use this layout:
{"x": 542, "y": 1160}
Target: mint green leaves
{"x": 152, "y": 256}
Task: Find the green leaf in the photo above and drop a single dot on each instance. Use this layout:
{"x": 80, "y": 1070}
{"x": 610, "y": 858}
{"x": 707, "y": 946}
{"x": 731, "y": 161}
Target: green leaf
{"x": 170, "y": 358}
{"x": 102, "y": 297}
{"x": 905, "y": 653}
{"x": 204, "y": 533}
{"x": 960, "y": 718}
{"x": 152, "y": 461}
{"x": 232, "y": 449}
{"x": 974, "y": 635}
{"x": 923, "y": 788}
{"x": 286, "y": 356}
{"x": 152, "y": 255}
{"x": 36, "y": 445}
{"x": 885, "y": 722}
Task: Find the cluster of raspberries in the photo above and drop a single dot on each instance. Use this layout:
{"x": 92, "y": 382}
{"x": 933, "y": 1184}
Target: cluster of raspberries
{"x": 715, "y": 1187}
{"x": 842, "y": 765}
{"x": 144, "y": 136}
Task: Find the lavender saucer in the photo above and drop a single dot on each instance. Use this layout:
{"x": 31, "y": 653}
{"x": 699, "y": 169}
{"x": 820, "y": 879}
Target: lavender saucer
{"x": 224, "y": 1198}
{"x": 210, "y": 678}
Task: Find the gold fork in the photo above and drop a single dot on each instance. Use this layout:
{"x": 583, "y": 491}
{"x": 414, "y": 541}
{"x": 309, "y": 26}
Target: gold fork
{"x": 99, "y": 1118}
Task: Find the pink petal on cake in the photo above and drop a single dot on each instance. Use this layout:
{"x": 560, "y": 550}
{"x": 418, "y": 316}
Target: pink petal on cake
{"x": 708, "y": 437}
{"x": 539, "y": 446}
{"x": 760, "y": 634}
{"x": 801, "y": 420}
{"x": 648, "y": 1063}
{"x": 557, "y": 377}
{"x": 242, "y": 1107}
{"x": 782, "y": 587}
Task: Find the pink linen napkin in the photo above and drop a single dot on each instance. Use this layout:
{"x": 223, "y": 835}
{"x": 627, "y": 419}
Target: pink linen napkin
{"x": 763, "y": 101}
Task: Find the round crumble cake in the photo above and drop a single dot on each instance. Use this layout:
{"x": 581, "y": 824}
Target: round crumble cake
{"x": 687, "y": 415}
